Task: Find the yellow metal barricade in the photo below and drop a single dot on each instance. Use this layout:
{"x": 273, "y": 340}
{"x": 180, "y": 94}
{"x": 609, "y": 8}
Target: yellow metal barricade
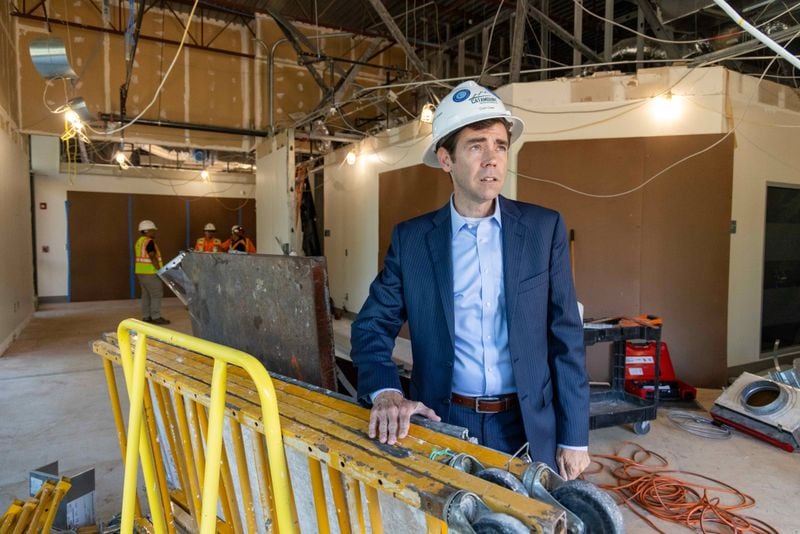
{"x": 142, "y": 440}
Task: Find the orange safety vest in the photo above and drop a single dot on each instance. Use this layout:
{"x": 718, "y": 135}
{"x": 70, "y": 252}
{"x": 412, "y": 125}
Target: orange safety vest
{"x": 143, "y": 263}
{"x": 208, "y": 245}
{"x": 228, "y": 244}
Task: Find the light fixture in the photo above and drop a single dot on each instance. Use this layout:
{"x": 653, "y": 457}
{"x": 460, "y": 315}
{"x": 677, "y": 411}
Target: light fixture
{"x": 427, "y": 113}
{"x": 666, "y": 107}
{"x": 351, "y": 157}
{"x": 121, "y": 159}
{"x": 204, "y": 175}
{"x": 73, "y": 118}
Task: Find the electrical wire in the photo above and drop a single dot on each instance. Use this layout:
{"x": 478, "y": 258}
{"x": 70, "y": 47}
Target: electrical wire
{"x": 491, "y": 34}
{"x": 698, "y": 425}
{"x": 674, "y": 164}
{"x": 645, "y": 484}
{"x": 673, "y": 41}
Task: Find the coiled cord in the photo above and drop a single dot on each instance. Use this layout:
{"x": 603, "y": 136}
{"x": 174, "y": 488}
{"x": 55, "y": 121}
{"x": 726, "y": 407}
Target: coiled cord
{"x": 698, "y": 425}
{"x": 645, "y": 484}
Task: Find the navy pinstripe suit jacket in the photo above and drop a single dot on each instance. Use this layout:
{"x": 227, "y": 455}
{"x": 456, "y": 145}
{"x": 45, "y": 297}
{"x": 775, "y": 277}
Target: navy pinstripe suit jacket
{"x": 545, "y": 333}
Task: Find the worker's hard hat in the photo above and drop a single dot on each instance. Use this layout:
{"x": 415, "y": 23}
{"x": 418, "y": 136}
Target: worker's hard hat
{"x": 210, "y": 228}
{"x": 147, "y": 225}
{"x": 467, "y": 103}
{"x": 236, "y": 228}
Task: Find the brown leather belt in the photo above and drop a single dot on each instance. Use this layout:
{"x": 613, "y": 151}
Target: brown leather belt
{"x": 487, "y": 404}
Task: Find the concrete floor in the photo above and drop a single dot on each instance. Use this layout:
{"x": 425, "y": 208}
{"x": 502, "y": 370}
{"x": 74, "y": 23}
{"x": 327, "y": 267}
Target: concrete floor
{"x": 54, "y": 404}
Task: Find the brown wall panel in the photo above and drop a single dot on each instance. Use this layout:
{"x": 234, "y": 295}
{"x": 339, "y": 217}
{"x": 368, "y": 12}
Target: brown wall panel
{"x": 99, "y": 261}
{"x": 686, "y": 252}
{"x": 663, "y": 249}
{"x": 224, "y": 213}
{"x": 406, "y": 193}
{"x": 100, "y": 255}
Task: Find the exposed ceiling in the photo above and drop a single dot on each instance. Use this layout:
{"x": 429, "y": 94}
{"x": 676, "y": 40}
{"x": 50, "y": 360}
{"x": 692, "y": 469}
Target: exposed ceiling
{"x": 445, "y": 40}
{"x": 442, "y": 34}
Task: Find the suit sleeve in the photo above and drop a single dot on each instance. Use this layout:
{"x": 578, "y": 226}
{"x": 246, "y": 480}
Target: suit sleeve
{"x": 566, "y": 353}
{"x": 374, "y": 331}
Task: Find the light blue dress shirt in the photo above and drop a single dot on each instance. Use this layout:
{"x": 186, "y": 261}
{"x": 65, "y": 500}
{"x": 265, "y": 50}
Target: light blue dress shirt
{"x": 482, "y": 359}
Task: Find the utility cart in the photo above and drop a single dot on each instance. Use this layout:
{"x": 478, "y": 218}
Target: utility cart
{"x": 610, "y": 404}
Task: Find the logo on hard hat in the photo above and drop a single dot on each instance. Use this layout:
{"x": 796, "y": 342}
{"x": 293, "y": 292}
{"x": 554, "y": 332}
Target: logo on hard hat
{"x": 461, "y": 95}
{"x": 484, "y": 97}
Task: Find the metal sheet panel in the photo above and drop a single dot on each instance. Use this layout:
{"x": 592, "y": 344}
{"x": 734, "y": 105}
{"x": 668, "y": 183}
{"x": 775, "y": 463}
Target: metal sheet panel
{"x": 49, "y": 56}
{"x": 273, "y": 307}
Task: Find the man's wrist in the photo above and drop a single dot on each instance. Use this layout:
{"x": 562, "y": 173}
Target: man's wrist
{"x": 574, "y": 447}
{"x": 374, "y": 394}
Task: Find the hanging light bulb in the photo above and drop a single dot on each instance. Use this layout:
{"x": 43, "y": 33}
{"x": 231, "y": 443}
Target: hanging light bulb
{"x": 204, "y": 175}
{"x": 121, "y": 159}
{"x": 73, "y": 118}
{"x": 351, "y": 157}
{"x": 427, "y": 113}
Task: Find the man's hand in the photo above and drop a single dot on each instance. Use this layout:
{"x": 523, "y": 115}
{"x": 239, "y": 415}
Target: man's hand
{"x": 572, "y": 462}
{"x": 391, "y": 414}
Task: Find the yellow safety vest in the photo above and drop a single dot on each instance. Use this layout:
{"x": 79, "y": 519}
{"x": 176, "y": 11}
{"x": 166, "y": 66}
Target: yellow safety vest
{"x": 143, "y": 263}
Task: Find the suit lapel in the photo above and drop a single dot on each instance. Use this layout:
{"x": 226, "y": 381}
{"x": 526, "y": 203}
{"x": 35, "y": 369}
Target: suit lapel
{"x": 513, "y": 248}
{"x": 441, "y": 250}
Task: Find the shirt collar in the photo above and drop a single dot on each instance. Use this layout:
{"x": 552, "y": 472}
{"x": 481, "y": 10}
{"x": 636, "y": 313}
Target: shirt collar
{"x": 457, "y": 221}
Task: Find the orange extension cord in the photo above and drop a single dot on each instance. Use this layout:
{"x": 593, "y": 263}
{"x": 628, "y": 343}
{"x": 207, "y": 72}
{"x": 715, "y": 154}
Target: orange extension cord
{"x": 645, "y": 480}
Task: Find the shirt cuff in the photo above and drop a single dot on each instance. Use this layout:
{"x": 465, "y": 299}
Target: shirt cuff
{"x": 378, "y": 392}
{"x": 574, "y": 447}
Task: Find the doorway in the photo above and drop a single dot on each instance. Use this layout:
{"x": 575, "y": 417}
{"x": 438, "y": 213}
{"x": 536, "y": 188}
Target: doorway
{"x": 780, "y": 308}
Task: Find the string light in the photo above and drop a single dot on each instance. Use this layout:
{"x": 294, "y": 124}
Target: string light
{"x": 351, "y": 157}
{"x": 204, "y": 175}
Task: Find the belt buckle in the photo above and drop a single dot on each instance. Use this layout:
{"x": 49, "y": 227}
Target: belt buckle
{"x": 478, "y": 401}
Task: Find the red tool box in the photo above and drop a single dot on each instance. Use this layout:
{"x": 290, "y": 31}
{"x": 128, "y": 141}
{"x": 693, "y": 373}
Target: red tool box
{"x": 640, "y": 373}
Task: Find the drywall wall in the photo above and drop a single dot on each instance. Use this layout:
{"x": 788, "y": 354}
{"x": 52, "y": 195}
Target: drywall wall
{"x": 766, "y": 118}
{"x": 275, "y": 198}
{"x": 51, "y": 186}
{"x": 16, "y": 264}
{"x": 220, "y": 79}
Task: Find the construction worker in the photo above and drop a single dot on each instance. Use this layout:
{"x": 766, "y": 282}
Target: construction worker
{"x": 208, "y": 243}
{"x": 238, "y": 242}
{"x": 486, "y": 287}
{"x": 148, "y": 262}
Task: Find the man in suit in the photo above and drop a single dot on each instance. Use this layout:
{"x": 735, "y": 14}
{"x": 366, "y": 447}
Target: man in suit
{"x": 486, "y": 287}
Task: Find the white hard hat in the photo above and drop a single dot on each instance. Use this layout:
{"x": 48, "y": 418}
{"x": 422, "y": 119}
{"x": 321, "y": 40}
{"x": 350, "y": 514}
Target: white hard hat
{"x": 467, "y": 103}
{"x": 147, "y": 225}
{"x": 210, "y": 228}
{"x": 235, "y": 228}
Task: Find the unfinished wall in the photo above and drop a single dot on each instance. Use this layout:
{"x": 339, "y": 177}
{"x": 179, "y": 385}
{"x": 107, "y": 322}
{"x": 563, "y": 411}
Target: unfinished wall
{"x": 352, "y": 205}
{"x": 661, "y": 250}
{"x": 610, "y": 107}
{"x": 277, "y": 225}
{"x": 767, "y": 121}
{"x": 220, "y": 79}
{"x": 51, "y": 187}
{"x": 16, "y": 265}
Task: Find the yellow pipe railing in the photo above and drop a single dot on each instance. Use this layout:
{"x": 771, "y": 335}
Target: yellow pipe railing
{"x": 139, "y": 447}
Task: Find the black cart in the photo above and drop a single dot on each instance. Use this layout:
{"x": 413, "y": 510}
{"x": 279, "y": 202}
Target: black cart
{"x": 612, "y": 405}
